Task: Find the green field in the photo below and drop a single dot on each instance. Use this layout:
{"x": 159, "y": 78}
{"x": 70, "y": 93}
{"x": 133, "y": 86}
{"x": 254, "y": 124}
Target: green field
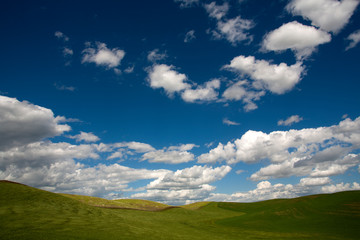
{"x": 30, "y": 213}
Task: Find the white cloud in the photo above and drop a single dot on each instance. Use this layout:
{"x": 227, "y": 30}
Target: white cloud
{"x": 329, "y": 15}
{"x": 190, "y": 178}
{"x": 240, "y": 171}
{"x": 163, "y": 76}
{"x": 67, "y": 176}
{"x": 217, "y": 11}
{"x": 236, "y": 91}
{"x": 67, "y": 52}
{"x": 264, "y": 191}
{"x": 171, "y": 155}
{"x": 230, "y": 123}
{"x": 184, "y": 186}
{"x": 314, "y": 181}
{"x": 38, "y": 155}
{"x": 62, "y": 119}
{"x": 168, "y": 156}
{"x": 275, "y": 78}
{"x": 240, "y": 91}
{"x": 103, "y": 56}
{"x": 22, "y": 123}
{"x": 341, "y": 187}
{"x": 61, "y": 36}
{"x": 302, "y": 39}
{"x": 129, "y": 69}
{"x": 183, "y": 147}
{"x": 354, "y": 39}
{"x": 187, "y": 3}
{"x": 116, "y": 155}
{"x": 86, "y": 137}
{"x": 64, "y": 87}
{"x": 189, "y": 36}
{"x": 311, "y": 164}
{"x": 139, "y": 147}
{"x": 234, "y": 30}
{"x": 317, "y": 152}
{"x": 155, "y": 55}
{"x": 290, "y": 120}
{"x": 207, "y": 92}
{"x": 125, "y": 148}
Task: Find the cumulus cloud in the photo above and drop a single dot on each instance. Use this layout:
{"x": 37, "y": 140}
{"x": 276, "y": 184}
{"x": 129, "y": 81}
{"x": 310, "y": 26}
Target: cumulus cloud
{"x": 317, "y": 152}
{"x": 354, "y": 39}
{"x": 234, "y": 30}
{"x": 207, "y": 92}
{"x": 86, "y": 137}
{"x": 275, "y": 78}
{"x": 43, "y": 154}
{"x": 302, "y": 39}
{"x": 217, "y": 11}
{"x": 171, "y": 155}
{"x": 22, "y": 123}
{"x": 184, "y": 186}
{"x": 329, "y": 15}
{"x": 240, "y": 91}
{"x": 189, "y": 36}
{"x": 68, "y": 176}
{"x": 121, "y": 150}
{"x": 187, "y": 3}
{"x": 102, "y": 56}
{"x": 164, "y": 76}
{"x": 290, "y": 120}
{"x": 155, "y": 55}
{"x": 341, "y": 187}
{"x": 264, "y": 191}
{"x": 230, "y": 123}
{"x": 314, "y": 181}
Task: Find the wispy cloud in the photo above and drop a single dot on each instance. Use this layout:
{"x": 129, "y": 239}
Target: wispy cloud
{"x": 62, "y": 87}
{"x": 61, "y": 36}
{"x": 189, "y": 36}
{"x": 230, "y": 123}
{"x": 85, "y": 137}
{"x": 354, "y": 39}
{"x": 155, "y": 56}
{"x": 290, "y": 120}
{"x": 187, "y": 3}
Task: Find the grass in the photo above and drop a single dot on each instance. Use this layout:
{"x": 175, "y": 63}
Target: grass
{"x": 135, "y": 204}
{"x": 30, "y": 213}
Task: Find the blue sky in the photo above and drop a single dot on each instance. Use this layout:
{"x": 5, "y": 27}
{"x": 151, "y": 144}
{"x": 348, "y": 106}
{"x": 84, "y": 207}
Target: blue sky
{"x": 179, "y": 101}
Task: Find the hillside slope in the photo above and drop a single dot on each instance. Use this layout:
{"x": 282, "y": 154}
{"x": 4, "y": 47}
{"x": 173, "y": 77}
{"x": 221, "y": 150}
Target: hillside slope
{"x": 30, "y": 213}
{"x": 134, "y": 204}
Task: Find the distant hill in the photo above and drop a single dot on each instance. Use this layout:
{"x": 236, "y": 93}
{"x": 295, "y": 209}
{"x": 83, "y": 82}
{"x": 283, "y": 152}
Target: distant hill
{"x": 30, "y": 213}
{"x": 134, "y": 204}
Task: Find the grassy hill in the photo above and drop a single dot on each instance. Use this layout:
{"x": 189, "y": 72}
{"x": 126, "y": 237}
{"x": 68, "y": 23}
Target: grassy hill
{"x": 30, "y": 213}
{"x": 134, "y": 204}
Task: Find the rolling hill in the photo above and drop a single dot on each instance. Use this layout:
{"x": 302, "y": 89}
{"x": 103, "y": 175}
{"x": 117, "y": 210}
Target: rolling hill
{"x": 30, "y": 213}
